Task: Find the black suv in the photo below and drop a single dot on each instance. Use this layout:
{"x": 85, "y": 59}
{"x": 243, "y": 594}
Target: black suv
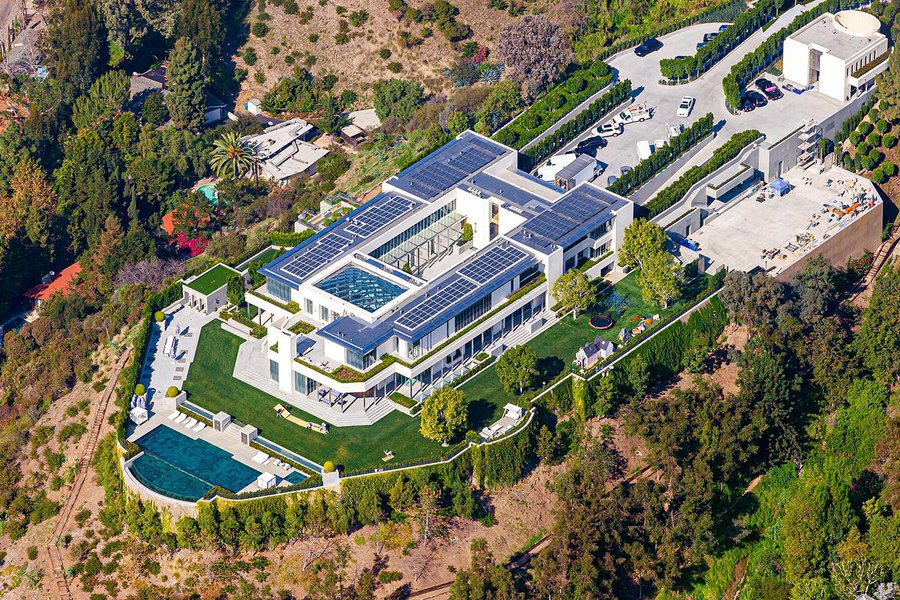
{"x": 651, "y": 45}
{"x": 590, "y": 145}
{"x": 769, "y": 89}
{"x": 752, "y": 100}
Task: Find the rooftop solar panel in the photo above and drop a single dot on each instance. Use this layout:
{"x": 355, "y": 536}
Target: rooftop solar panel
{"x": 493, "y": 262}
{"x": 437, "y": 302}
{"x": 316, "y": 255}
{"x": 374, "y": 219}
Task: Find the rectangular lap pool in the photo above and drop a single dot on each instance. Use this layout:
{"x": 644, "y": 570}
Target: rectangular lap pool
{"x": 184, "y": 468}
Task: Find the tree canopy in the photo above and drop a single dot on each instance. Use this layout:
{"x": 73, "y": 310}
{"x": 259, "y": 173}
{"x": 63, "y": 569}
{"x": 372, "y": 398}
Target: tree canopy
{"x": 444, "y": 414}
{"x": 517, "y": 368}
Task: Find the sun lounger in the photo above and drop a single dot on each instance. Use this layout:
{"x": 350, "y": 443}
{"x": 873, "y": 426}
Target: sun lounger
{"x": 190, "y": 422}
{"x": 181, "y": 417}
{"x": 260, "y": 458}
{"x": 173, "y": 415}
{"x": 198, "y": 427}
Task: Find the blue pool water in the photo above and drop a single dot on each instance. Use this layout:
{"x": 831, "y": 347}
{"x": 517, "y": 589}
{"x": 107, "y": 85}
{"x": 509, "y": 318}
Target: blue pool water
{"x": 209, "y": 191}
{"x": 184, "y": 468}
{"x": 295, "y": 477}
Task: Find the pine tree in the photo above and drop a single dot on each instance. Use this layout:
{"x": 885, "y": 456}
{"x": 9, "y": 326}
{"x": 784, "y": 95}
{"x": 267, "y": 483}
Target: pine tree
{"x": 187, "y": 98}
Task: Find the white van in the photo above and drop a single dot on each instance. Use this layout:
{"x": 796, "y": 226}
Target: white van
{"x": 644, "y": 149}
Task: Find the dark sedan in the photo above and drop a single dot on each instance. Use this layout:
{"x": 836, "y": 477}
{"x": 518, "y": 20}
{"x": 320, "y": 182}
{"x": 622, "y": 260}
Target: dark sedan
{"x": 651, "y": 45}
{"x": 590, "y": 145}
{"x": 769, "y": 89}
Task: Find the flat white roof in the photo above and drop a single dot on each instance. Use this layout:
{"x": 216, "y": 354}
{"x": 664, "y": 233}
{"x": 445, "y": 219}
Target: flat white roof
{"x": 840, "y": 43}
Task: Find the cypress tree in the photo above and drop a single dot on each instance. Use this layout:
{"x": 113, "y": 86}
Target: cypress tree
{"x": 187, "y": 98}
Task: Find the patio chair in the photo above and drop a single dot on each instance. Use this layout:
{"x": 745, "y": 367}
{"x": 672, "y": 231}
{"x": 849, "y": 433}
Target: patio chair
{"x": 200, "y": 426}
{"x": 181, "y": 417}
{"x": 173, "y": 415}
{"x": 190, "y": 422}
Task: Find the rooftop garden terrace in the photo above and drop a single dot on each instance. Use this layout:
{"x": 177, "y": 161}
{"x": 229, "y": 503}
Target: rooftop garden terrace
{"x": 213, "y": 279}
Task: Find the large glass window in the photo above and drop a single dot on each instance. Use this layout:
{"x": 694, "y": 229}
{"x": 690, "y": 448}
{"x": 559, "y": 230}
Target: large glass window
{"x": 299, "y": 382}
{"x": 279, "y": 290}
{"x": 324, "y": 313}
{"x": 309, "y": 307}
{"x": 473, "y": 312}
{"x": 418, "y": 227}
{"x": 273, "y": 370}
{"x": 360, "y": 361}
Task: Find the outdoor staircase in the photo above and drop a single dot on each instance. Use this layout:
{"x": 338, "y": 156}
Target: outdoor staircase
{"x": 881, "y": 257}
{"x": 233, "y": 430}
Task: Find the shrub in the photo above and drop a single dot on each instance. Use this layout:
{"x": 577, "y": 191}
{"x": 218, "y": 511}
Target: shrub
{"x": 575, "y": 84}
{"x": 384, "y": 53}
{"x": 889, "y": 168}
{"x": 878, "y": 175}
{"x": 889, "y": 140}
{"x": 140, "y": 390}
{"x": 159, "y": 316}
{"x": 260, "y": 29}
{"x": 865, "y": 128}
{"x": 313, "y": 37}
{"x": 882, "y": 126}
{"x": 555, "y": 101}
{"x": 172, "y": 391}
{"x": 389, "y": 576}
{"x": 394, "y": 67}
{"x": 328, "y": 467}
{"x": 855, "y": 138}
{"x": 873, "y": 139}
{"x": 33, "y": 554}
{"x": 875, "y": 156}
{"x": 250, "y": 57}
{"x": 341, "y": 38}
{"x": 259, "y": 77}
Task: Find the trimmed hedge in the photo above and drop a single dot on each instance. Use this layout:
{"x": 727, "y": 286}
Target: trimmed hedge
{"x": 581, "y": 83}
{"x": 571, "y": 129}
{"x": 657, "y": 162}
{"x": 743, "y": 27}
{"x": 755, "y": 62}
{"x": 281, "y": 238}
{"x": 668, "y": 196}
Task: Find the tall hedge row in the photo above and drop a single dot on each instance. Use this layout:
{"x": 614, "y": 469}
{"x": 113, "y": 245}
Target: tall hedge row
{"x": 571, "y": 129}
{"x": 668, "y": 196}
{"x": 657, "y": 162}
{"x": 743, "y": 27}
{"x": 579, "y": 85}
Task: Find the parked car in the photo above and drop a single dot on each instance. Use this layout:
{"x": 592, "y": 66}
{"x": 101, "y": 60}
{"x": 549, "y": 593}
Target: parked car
{"x": 611, "y": 180}
{"x": 625, "y": 169}
{"x": 651, "y": 45}
{"x": 635, "y": 112}
{"x": 702, "y": 45}
{"x": 686, "y": 106}
{"x": 590, "y": 145}
{"x": 752, "y": 100}
{"x": 769, "y": 89}
{"x": 722, "y": 28}
{"x": 608, "y": 129}
{"x": 708, "y": 37}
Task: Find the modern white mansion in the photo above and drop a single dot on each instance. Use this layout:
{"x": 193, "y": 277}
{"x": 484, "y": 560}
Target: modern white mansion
{"x": 400, "y": 302}
{"x": 840, "y": 53}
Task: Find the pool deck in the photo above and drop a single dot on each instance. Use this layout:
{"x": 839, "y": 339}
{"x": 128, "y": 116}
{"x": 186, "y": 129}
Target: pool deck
{"x": 159, "y": 372}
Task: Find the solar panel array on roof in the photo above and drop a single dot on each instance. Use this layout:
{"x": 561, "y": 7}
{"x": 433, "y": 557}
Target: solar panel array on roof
{"x": 493, "y": 262}
{"x": 374, "y": 219}
{"x": 576, "y": 209}
{"x": 436, "y": 303}
{"x": 316, "y": 255}
{"x": 448, "y": 166}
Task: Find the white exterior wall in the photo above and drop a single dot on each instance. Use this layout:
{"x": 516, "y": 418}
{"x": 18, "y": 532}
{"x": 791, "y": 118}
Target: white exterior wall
{"x": 477, "y": 211}
{"x": 833, "y": 77}
{"x": 796, "y": 61}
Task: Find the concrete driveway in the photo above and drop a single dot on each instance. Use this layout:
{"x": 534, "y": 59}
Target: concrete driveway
{"x": 775, "y": 120}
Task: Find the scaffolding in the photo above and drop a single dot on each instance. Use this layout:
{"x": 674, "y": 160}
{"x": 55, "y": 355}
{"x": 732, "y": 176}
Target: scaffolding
{"x": 428, "y": 246}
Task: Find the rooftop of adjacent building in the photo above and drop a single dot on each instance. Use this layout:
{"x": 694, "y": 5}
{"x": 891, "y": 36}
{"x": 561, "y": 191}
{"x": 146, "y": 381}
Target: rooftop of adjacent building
{"x": 844, "y": 34}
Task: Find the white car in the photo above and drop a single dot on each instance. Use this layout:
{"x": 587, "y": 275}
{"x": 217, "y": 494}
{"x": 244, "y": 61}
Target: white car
{"x": 686, "y": 106}
{"x": 608, "y": 129}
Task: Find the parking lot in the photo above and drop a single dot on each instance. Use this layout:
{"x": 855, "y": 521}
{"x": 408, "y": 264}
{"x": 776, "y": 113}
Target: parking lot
{"x": 777, "y": 119}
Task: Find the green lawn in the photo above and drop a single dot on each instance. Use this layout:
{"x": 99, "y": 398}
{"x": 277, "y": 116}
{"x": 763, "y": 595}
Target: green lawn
{"x": 213, "y": 279}
{"x": 556, "y": 347}
{"x": 210, "y": 385}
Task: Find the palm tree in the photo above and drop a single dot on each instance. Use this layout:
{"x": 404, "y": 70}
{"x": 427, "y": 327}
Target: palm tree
{"x": 233, "y": 156}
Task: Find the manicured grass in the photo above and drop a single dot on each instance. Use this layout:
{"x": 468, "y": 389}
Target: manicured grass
{"x": 212, "y": 279}
{"x": 556, "y": 347}
{"x": 210, "y": 384}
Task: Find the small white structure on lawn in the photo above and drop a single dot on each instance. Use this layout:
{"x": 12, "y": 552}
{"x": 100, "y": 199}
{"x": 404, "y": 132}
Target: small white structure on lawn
{"x": 599, "y": 349}
{"x": 265, "y": 481}
{"x": 139, "y": 415}
{"x": 842, "y": 53}
{"x": 512, "y": 415}
{"x": 568, "y": 170}
{"x": 512, "y": 411}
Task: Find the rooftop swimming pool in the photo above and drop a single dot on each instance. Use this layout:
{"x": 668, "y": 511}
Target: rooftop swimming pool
{"x": 183, "y": 468}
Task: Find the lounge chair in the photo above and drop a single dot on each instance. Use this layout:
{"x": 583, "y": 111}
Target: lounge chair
{"x": 260, "y": 458}
{"x": 198, "y": 427}
{"x": 190, "y": 422}
{"x": 173, "y": 415}
{"x": 181, "y": 417}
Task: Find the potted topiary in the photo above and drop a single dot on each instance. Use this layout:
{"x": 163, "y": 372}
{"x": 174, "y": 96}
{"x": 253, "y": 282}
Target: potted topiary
{"x": 140, "y": 390}
{"x": 172, "y": 391}
{"x": 159, "y": 316}
{"x": 328, "y": 467}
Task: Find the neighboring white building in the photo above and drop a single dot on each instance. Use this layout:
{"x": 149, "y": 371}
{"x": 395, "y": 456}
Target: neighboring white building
{"x": 399, "y": 301}
{"x": 569, "y": 170}
{"x": 284, "y": 152}
{"x": 841, "y": 54}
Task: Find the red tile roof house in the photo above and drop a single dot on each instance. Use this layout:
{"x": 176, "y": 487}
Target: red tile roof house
{"x": 62, "y": 282}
